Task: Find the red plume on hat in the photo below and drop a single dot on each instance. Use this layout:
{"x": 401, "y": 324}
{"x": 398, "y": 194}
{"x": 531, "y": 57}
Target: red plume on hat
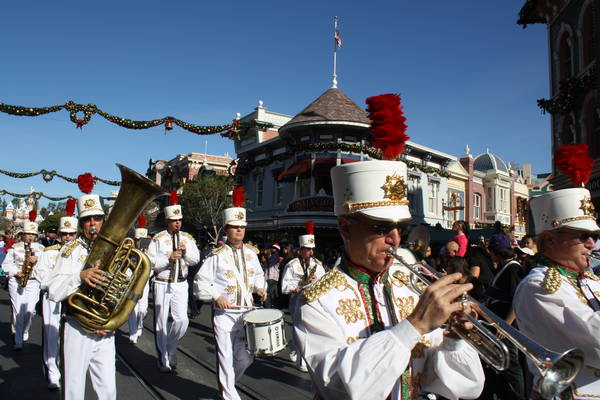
{"x": 70, "y": 209}
{"x": 574, "y": 161}
{"x": 310, "y": 228}
{"x": 173, "y": 198}
{"x": 85, "y": 183}
{"x": 238, "y": 197}
{"x": 32, "y": 215}
{"x": 388, "y": 125}
{"x": 142, "y": 221}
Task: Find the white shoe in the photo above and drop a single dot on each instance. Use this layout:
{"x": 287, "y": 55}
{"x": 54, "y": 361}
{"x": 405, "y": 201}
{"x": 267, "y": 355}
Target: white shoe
{"x": 302, "y": 368}
{"x": 165, "y": 369}
{"x": 54, "y": 386}
{"x": 133, "y": 340}
{"x": 173, "y": 360}
{"x": 13, "y": 329}
{"x": 139, "y": 332}
{"x": 293, "y": 356}
{"x": 26, "y": 336}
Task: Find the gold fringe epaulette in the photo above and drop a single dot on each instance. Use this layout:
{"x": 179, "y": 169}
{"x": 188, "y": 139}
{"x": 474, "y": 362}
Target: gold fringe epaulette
{"x": 219, "y": 249}
{"x": 20, "y": 244}
{"x": 330, "y": 280}
{"x": 254, "y": 249}
{"x": 160, "y": 234}
{"x": 70, "y": 247}
{"x": 187, "y": 235}
{"x": 552, "y": 280}
{"x": 591, "y": 275}
{"x": 53, "y": 247}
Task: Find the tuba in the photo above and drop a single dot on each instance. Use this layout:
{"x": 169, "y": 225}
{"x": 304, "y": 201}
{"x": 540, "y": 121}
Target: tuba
{"x": 126, "y": 269}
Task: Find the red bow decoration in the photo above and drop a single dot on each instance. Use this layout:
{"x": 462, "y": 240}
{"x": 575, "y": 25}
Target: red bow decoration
{"x": 173, "y": 198}
{"x": 142, "y": 221}
{"x": 238, "y": 197}
{"x": 574, "y": 161}
{"x": 32, "y": 215}
{"x": 70, "y": 209}
{"x": 310, "y": 228}
{"x": 85, "y": 183}
{"x": 388, "y": 125}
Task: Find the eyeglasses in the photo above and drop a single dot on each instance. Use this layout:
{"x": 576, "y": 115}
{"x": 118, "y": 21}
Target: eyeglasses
{"x": 584, "y": 236}
{"x": 382, "y": 228}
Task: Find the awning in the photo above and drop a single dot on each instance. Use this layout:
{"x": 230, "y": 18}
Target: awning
{"x": 298, "y": 169}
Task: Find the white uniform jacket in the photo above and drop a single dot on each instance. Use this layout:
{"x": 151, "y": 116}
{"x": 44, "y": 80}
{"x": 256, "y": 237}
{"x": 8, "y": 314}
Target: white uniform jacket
{"x": 65, "y": 279}
{"x": 556, "y": 314}
{"x": 46, "y": 264}
{"x": 162, "y": 245}
{"x": 13, "y": 262}
{"x": 294, "y": 274}
{"x": 348, "y": 361}
{"x": 221, "y": 275}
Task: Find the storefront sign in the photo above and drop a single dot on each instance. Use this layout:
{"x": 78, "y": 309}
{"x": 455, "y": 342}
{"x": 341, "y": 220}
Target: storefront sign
{"x": 312, "y": 204}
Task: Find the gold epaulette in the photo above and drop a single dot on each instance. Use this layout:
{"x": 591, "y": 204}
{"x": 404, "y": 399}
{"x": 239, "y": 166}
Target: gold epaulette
{"x": 330, "y": 280}
{"x": 70, "y": 247}
{"x": 591, "y": 275}
{"x": 159, "y": 235}
{"x": 187, "y": 235}
{"x": 20, "y": 244}
{"x": 254, "y": 249}
{"x": 552, "y": 280}
{"x": 219, "y": 249}
{"x": 53, "y": 247}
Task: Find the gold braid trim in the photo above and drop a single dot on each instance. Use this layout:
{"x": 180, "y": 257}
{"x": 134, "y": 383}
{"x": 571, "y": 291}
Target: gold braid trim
{"x": 591, "y": 275}
{"x": 558, "y": 222}
{"x": 187, "y": 235}
{"x": 353, "y": 207}
{"x": 252, "y": 248}
{"x": 219, "y": 249}
{"x": 70, "y": 247}
{"x": 330, "y": 280}
{"x": 53, "y": 247}
{"x": 552, "y": 280}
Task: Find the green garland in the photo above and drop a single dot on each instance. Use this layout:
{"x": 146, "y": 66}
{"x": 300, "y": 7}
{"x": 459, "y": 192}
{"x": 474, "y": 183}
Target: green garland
{"x": 568, "y": 92}
{"x": 81, "y": 114}
{"x": 245, "y": 165}
{"x": 49, "y": 175}
{"x": 37, "y": 195}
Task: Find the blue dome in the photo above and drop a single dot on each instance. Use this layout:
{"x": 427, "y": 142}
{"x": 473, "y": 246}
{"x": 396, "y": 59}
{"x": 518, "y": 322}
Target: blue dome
{"x": 487, "y": 161}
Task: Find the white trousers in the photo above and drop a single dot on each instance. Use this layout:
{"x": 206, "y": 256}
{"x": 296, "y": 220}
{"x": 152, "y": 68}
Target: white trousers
{"x": 136, "y": 318}
{"x": 82, "y": 352}
{"x": 174, "y": 297}
{"x": 50, "y": 335}
{"x": 23, "y": 301}
{"x": 232, "y": 356}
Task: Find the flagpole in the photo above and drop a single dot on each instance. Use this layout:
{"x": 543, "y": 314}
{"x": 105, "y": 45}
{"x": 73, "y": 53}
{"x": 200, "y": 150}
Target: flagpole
{"x": 335, "y": 29}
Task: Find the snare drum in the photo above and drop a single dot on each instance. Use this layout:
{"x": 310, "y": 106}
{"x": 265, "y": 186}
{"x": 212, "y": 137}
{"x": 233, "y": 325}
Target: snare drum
{"x": 264, "y": 331}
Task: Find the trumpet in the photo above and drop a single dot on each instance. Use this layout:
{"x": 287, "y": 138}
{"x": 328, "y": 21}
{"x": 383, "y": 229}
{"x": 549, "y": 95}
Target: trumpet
{"x": 557, "y": 369}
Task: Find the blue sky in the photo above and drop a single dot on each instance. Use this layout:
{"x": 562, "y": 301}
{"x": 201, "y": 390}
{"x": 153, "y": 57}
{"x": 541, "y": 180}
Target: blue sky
{"x": 466, "y": 71}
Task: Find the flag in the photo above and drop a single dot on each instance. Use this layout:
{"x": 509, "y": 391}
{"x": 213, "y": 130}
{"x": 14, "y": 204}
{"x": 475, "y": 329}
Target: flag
{"x": 337, "y": 37}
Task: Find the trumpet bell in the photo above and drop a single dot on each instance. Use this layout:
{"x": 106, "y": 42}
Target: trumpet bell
{"x": 561, "y": 369}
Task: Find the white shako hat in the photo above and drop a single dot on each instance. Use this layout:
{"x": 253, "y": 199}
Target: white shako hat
{"x": 89, "y": 204}
{"x": 173, "y": 210}
{"x": 68, "y": 223}
{"x": 376, "y": 189}
{"x": 141, "y": 231}
{"x": 566, "y": 208}
{"x": 236, "y": 215}
{"x": 308, "y": 240}
{"x": 31, "y": 226}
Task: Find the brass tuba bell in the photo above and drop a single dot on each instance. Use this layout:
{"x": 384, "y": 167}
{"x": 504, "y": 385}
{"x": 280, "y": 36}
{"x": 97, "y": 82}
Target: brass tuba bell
{"x": 126, "y": 269}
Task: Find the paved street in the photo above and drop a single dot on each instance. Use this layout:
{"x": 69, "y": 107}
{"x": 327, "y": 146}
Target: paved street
{"x": 21, "y": 373}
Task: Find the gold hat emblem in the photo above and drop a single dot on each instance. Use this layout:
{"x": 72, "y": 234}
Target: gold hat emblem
{"x": 89, "y": 203}
{"x": 311, "y": 240}
{"x": 394, "y": 188}
{"x": 587, "y": 207}
{"x": 239, "y": 216}
{"x": 176, "y": 211}
{"x": 67, "y": 224}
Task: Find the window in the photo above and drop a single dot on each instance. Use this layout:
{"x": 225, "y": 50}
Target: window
{"x": 489, "y": 201}
{"x": 259, "y": 190}
{"x": 503, "y": 200}
{"x": 590, "y": 122}
{"x": 477, "y": 206}
{"x": 564, "y": 57}
{"x": 587, "y": 36}
{"x": 412, "y": 193}
{"x": 432, "y": 199}
{"x": 303, "y": 187}
{"x": 278, "y": 192}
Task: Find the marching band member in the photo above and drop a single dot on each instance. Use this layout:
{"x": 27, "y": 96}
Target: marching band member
{"x": 136, "y": 318}
{"x": 83, "y": 351}
{"x": 299, "y": 272}
{"x": 171, "y": 252}
{"x": 228, "y": 277}
{"x": 51, "y": 310}
{"x": 557, "y": 304}
{"x": 23, "y": 299}
{"x": 364, "y": 333}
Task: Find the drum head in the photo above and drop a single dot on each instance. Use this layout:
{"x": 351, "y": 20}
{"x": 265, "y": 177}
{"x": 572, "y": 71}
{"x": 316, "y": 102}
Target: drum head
{"x": 262, "y": 315}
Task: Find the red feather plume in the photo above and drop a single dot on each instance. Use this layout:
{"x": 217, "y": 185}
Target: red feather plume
{"x": 388, "y": 124}
{"x": 142, "y": 221}
{"x": 574, "y": 161}
{"x": 85, "y": 183}
{"x": 70, "y": 209}
{"x": 32, "y": 215}
{"x": 238, "y": 197}
{"x": 310, "y": 228}
{"x": 173, "y": 198}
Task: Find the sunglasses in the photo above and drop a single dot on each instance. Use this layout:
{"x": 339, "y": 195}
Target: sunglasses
{"x": 584, "y": 236}
{"x": 382, "y": 228}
